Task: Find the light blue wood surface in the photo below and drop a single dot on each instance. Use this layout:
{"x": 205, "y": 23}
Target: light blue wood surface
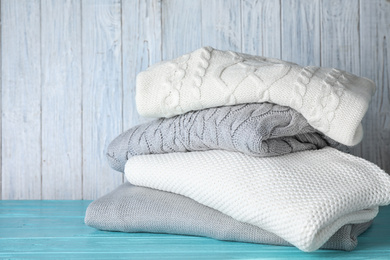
{"x": 61, "y": 100}
{"x": 102, "y": 92}
{"x": 56, "y": 230}
{"x": 68, "y": 70}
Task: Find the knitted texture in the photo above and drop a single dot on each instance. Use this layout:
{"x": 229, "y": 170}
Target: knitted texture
{"x": 209, "y": 78}
{"x": 303, "y": 197}
{"x": 259, "y": 129}
{"x": 137, "y": 209}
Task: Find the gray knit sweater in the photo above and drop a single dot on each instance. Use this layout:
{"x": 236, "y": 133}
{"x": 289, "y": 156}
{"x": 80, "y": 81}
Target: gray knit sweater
{"x": 138, "y": 209}
{"x": 257, "y": 129}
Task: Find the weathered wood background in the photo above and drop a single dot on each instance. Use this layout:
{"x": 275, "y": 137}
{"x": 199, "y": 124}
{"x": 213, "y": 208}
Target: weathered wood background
{"x": 68, "y": 72}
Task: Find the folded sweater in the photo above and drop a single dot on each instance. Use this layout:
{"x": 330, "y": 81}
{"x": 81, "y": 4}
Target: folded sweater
{"x": 137, "y": 209}
{"x": 258, "y": 129}
{"x": 333, "y": 101}
{"x": 302, "y": 197}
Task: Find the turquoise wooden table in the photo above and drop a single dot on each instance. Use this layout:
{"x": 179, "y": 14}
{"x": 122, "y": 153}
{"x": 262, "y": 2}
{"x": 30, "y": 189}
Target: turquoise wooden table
{"x": 56, "y": 230}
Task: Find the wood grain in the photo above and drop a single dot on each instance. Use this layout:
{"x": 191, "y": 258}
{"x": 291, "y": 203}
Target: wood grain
{"x": 1, "y": 109}
{"x": 340, "y": 35}
{"x": 142, "y": 44}
{"x": 61, "y": 100}
{"x": 221, "y": 24}
{"x": 21, "y": 100}
{"x": 102, "y": 93}
{"x": 375, "y": 64}
{"x": 182, "y": 32}
{"x": 56, "y": 230}
{"x": 261, "y": 28}
{"x": 301, "y": 41}
{"x": 68, "y": 71}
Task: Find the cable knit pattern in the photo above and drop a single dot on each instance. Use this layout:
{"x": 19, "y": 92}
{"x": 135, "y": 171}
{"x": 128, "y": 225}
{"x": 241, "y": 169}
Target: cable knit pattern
{"x": 209, "y": 78}
{"x": 137, "y": 209}
{"x": 302, "y": 197}
{"x": 258, "y": 129}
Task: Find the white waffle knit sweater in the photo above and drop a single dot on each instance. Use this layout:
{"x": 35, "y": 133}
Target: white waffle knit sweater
{"x": 333, "y": 101}
{"x": 303, "y": 197}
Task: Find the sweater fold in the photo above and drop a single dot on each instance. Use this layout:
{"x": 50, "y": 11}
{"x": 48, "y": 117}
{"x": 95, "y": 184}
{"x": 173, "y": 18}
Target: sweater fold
{"x": 303, "y": 197}
{"x": 258, "y": 129}
{"x": 208, "y": 78}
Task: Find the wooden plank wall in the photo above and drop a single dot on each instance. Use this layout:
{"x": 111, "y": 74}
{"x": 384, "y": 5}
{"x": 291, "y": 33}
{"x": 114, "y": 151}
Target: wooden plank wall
{"x": 68, "y": 73}
{"x": 61, "y": 99}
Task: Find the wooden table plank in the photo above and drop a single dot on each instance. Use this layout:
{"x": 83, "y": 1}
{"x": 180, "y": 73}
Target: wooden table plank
{"x": 56, "y": 230}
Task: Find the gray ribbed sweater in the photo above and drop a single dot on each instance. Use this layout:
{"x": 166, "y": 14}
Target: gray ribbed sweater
{"x": 257, "y": 129}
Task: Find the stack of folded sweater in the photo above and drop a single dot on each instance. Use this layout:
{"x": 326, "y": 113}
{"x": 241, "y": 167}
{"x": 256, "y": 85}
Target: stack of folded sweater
{"x": 245, "y": 148}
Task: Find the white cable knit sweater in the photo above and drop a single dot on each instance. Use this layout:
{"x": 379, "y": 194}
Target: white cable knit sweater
{"x": 303, "y": 197}
{"x": 333, "y": 101}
